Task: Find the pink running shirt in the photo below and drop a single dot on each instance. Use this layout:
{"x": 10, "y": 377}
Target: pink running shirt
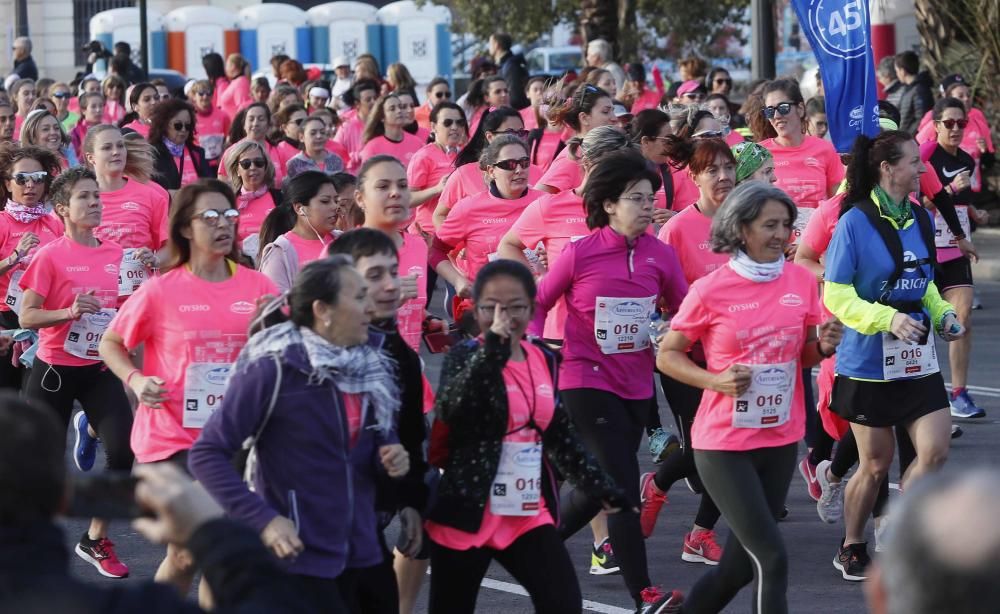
{"x": 47, "y": 228}
{"x": 135, "y": 216}
{"x": 689, "y": 233}
{"x": 402, "y": 151}
{"x": 808, "y": 172}
{"x": 426, "y": 169}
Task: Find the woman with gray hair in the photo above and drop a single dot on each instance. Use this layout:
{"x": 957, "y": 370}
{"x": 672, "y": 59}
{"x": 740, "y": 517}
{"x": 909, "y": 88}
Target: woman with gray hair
{"x": 756, "y": 318}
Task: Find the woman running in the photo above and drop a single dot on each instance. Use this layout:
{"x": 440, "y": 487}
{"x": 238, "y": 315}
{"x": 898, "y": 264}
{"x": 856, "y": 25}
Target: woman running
{"x": 384, "y": 133}
{"x": 589, "y": 108}
{"x": 433, "y": 164}
{"x": 142, "y": 99}
{"x": 179, "y": 161}
{"x": 251, "y": 175}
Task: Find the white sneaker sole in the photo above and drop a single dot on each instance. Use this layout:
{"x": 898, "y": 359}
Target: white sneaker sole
{"x": 602, "y": 571}
{"x": 83, "y": 555}
{"x": 76, "y": 445}
{"x": 697, "y": 558}
{"x": 847, "y": 576}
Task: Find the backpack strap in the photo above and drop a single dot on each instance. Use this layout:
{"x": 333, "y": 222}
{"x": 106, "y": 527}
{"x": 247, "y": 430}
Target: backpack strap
{"x": 890, "y": 236}
{"x": 250, "y": 443}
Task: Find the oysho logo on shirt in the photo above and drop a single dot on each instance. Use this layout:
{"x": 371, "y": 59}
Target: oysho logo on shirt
{"x": 790, "y": 300}
{"x": 242, "y": 307}
{"x": 193, "y": 308}
{"x": 575, "y": 220}
{"x": 128, "y": 205}
{"x": 781, "y": 162}
{"x": 78, "y": 269}
{"x": 494, "y": 220}
{"x": 744, "y": 307}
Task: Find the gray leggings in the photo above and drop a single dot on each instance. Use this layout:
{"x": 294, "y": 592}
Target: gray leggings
{"x": 749, "y": 488}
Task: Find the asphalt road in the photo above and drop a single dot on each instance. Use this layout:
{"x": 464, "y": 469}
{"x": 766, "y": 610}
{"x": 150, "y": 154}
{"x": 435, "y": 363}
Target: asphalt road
{"x": 814, "y": 586}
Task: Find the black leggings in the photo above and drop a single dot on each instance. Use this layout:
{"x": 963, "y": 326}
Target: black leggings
{"x": 322, "y": 593}
{"x": 371, "y": 590}
{"x": 813, "y": 425}
{"x": 611, "y": 428}
{"x": 846, "y": 457}
{"x": 102, "y": 397}
{"x": 11, "y": 377}
{"x": 538, "y": 561}
{"x": 684, "y": 401}
{"x": 750, "y": 488}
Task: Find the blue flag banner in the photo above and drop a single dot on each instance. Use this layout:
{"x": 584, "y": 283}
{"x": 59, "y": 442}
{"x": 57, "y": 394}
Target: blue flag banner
{"x": 839, "y": 32}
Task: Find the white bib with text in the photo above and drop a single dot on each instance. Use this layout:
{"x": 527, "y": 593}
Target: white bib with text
{"x": 767, "y": 402}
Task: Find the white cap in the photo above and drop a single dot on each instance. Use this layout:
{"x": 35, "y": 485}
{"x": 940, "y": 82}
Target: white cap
{"x": 187, "y": 87}
{"x": 341, "y": 60}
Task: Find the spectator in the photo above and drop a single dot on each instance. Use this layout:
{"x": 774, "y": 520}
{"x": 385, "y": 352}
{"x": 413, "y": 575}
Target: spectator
{"x": 886, "y": 75}
{"x": 599, "y": 55}
{"x": 24, "y": 64}
{"x": 943, "y": 548}
{"x": 130, "y": 72}
{"x": 513, "y": 68}
{"x": 719, "y": 81}
{"x": 342, "y": 68}
{"x": 916, "y": 97}
{"x": 239, "y": 571}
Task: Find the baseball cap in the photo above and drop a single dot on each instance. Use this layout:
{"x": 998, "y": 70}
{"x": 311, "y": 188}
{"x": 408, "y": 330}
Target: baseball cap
{"x": 341, "y": 60}
{"x": 952, "y": 80}
{"x": 688, "y": 86}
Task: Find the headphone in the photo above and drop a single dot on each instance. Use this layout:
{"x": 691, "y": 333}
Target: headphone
{"x": 711, "y": 75}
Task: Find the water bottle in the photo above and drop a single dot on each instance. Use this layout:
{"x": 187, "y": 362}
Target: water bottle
{"x": 654, "y": 324}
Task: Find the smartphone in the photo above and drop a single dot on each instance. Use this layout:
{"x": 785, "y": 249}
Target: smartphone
{"x": 441, "y": 341}
{"x": 105, "y": 495}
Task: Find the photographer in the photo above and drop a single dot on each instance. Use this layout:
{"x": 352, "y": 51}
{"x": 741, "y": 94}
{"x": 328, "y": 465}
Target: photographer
{"x": 34, "y": 577}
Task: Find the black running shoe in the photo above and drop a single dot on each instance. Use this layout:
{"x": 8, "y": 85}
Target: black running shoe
{"x": 853, "y": 562}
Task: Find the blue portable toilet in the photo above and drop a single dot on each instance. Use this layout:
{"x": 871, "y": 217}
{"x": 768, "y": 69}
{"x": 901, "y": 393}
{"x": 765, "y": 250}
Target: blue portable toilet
{"x": 419, "y": 37}
{"x": 267, "y": 30}
{"x": 117, "y": 25}
{"x": 346, "y": 29}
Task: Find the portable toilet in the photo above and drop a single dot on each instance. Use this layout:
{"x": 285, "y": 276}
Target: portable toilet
{"x": 195, "y": 31}
{"x": 267, "y": 30}
{"x": 419, "y": 37}
{"x": 122, "y": 25}
{"x": 345, "y": 29}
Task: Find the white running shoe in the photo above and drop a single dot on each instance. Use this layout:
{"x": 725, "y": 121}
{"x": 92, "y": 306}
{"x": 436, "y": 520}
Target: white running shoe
{"x": 830, "y": 506}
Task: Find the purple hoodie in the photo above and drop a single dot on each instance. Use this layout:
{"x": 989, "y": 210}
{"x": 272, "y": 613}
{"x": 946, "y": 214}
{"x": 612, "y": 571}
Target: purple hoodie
{"x": 603, "y": 265}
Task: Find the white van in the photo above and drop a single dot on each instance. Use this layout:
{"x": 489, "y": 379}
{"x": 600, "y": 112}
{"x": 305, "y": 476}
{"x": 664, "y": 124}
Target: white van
{"x": 554, "y": 60}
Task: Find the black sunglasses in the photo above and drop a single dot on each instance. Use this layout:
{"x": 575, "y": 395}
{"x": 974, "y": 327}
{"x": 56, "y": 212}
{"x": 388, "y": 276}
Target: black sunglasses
{"x": 512, "y": 164}
{"x": 951, "y": 123}
{"x": 258, "y": 162}
{"x": 783, "y": 108}
{"x": 723, "y": 80}
{"x": 61, "y": 95}
{"x": 178, "y": 126}
{"x": 442, "y": 94}
{"x": 448, "y": 123}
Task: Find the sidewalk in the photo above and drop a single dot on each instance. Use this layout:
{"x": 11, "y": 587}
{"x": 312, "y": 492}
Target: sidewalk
{"x": 987, "y": 242}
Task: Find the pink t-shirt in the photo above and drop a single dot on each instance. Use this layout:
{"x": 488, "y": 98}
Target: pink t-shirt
{"x": 468, "y": 180}
{"x": 135, "y": 216}
{"x": 555, "y": 220}
{"x": 528, "y": 117}
{"x": 272, "y": 152}
{"x": 139, "y": 127}
{"x": 47, "y": 228}
{"x": 689, "y": 233}
{"x": 186, "y": 168}
{"x": 252, "y": 215}
{"x": 648, "y": 99}
{"x": 686, "y": 192}
{"x": 413, "y": 261}
{"x": 349, "y": 135}
{"x": 402, "y": 151}
{"x": 499, "y": 532}
{"x": 210, "y": 130}
{"x": 61, "y": 270}
{"x": 820, "y": 228}
{"x": 479, "y": 222}
{"x": 545, "y": 151}
{"x": 286, "y": 151}
{"x": 184, "y": 319}
{"x": 808, "y": 172}
{"x": 114, "y": 112}
{"x": 307, "y": 249}
{"x": 563, "y": 174}
{"x": 749, "y": 323}
{"x": 236, "y": 96}
{"x": 426, "y": 169}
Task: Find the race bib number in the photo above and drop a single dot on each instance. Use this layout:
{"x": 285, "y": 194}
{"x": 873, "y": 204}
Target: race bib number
{"x": 517, "y": 487}
{"x": 943, "y": 237}
{"x": 620, "y": 323}
{"x": 14, "y": 292}
{"x": 901, "y": 360}
{"x": 204, "y": 388}
{"x": 768, "y": 401}
{"x": 801, "y": 221}
{"x": 212, "y": 144}
{"x": 85, "y": 334}
{"x": 131, "y": 273}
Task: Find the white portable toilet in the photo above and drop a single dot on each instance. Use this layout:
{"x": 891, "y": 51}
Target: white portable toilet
{"x": 122, "y": 25}
{"x": 345, "y": 29}
{"x": 267, "y": 30}
{"x": 195, "y": 31}
{"x": 419, "y": 37}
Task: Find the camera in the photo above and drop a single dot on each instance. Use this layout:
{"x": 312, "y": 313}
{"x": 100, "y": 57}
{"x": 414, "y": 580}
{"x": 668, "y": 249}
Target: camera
{"x": 98, "y": 49}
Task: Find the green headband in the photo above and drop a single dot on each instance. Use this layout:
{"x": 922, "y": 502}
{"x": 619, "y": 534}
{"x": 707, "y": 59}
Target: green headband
{"x": 749, "y": 158}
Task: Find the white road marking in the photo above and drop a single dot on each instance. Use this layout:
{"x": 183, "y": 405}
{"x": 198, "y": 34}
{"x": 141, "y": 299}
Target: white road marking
{"x": 517, "y": 589}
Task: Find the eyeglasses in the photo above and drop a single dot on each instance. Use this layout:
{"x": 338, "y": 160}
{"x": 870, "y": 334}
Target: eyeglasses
{"x": 512, "y": 164}
{"x": 521, "y": 134}
{"x": 448, "y": 123}
{"x": 35, "y": 177}
{"x": 950, "y": 124}
{"x": 440, "y": 95}
{"x": 202, "y": 93}
{"x": 708, "y": 134}
{"x": 696, "y": 96}
{"x": 640, "y": 199}
{"x": 211, "y": 217}
{"x": 61, "y": 95}
{"x": 182, "y": 126}
{"x": 258, "y": 162}
{"x": 514, "y": 311}
{"x": 782, "y": 108}
{"x": 723, "y": 81}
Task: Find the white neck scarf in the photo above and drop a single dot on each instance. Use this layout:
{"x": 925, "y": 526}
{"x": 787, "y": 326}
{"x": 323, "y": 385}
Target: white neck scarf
{"x": 760, "y": 272}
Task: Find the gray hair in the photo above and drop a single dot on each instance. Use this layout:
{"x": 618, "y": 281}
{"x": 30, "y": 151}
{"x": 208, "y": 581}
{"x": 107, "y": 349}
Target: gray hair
{"x": 943, "y": 547}
{"x": 741, "y": 207}
{"x": 491, "y": 153}
{"x": 601, "y": 47}
{"x": 23, "y": 41}
{"x": 599, "y": 142}
{"x": 887, "y": 67}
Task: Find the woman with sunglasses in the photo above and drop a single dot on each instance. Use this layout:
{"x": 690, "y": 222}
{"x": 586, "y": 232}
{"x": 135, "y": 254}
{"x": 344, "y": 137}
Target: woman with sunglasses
{"x": 298, "y": 230}
{"x": 314, "y": 155}
{"x": 42, "y": 129}
{"x": 178, "y": 160}
{"x": 434, "y": 162}
{"x": 690, "y": 92}
{"x": 253, "y": 123}
{"x": 384, "y": 133}
{"x": 438, "y": 91}
{"x": 113, "y": 87}
{"x": 61, "y": 95}
{"x": 288, "y": 131}
{"x": 252, "y": 179}
{"x": 589, "y": 108}
{"x": 187, "y": 352}
{"x": 211, "y": 124}
{"x": 808, "y": 169}
{"x": 142, "y": 99}
{"x": 479, "y": 222}
{"x": 70, "y": 294}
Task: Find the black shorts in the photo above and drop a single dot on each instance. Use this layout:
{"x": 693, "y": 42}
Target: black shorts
{"x": 885, "y": 404}
{"x": 955, "y": 273}
{"x": 179, "y": 460}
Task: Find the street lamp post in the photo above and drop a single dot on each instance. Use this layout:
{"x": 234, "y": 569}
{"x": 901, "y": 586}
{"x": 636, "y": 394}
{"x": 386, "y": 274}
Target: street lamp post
{"x": 762, "y": 38}
{"x": 143, "y": 39}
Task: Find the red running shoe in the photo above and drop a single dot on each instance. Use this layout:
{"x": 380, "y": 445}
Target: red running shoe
{"x": 652, "y": 501}
{"x": 657, "y": 601}
{"x": 808, "y": 471}
{"x": 101, "y": 554}
{"x": 701, "y": 548}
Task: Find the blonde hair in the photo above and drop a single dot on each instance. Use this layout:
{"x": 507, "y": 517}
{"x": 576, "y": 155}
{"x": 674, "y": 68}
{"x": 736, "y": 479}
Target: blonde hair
{"x": 31, "y": 123}
{"x": 140, "y": 158}
{"x": 232, "y": 164}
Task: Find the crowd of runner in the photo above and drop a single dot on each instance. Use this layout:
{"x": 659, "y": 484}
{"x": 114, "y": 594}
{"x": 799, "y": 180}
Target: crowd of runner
{"x": 246, "y": 268}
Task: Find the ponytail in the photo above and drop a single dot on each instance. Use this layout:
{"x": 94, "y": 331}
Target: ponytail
{"x": 279, "y": 220}
{"x": 582, "y": 101}
{"x": 867, "y": 156}
{"x": 679, "y": 151}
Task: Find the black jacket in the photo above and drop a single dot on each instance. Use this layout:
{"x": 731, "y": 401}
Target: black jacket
{"x": 35, "y": 577}
{"x": 26, "y": 68}
{"x": 914, "y": 102}
{"x": 165, "y": 169}
{"x": 514, "y": 71}
{"x": 472, "y": 402}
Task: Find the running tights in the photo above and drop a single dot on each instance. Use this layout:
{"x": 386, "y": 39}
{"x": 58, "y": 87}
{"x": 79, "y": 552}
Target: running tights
{"x": 371, "y": 590}
{"x": 684, "y": 401}
{"x": 611, "y": 429}
{"x": 103, "y": 399}
{"x": 750, "y": 488}
{"x": 538, "y": 561}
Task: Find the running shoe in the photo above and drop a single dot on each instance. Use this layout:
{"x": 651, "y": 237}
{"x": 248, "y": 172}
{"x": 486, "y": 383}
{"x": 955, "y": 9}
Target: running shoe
{"x": 662, "y": 444}
{"x": 977, "y": 304}
{"x": 852, "y": 561}
{"x": 808, "y": 471}
{"x": 602, "y": 560}
{"x": 881, "y": 524}
{"x": 85, "y": 449}
{"x": 652, "y": 500}
{"x": 657, "y": 601}
{"x": 101, "y": 554}
{"x": 962, "y": 406}
{"x": 701, "y": 548}
{"x": 956, "y": 431}
{"x": 830, "y": 506}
